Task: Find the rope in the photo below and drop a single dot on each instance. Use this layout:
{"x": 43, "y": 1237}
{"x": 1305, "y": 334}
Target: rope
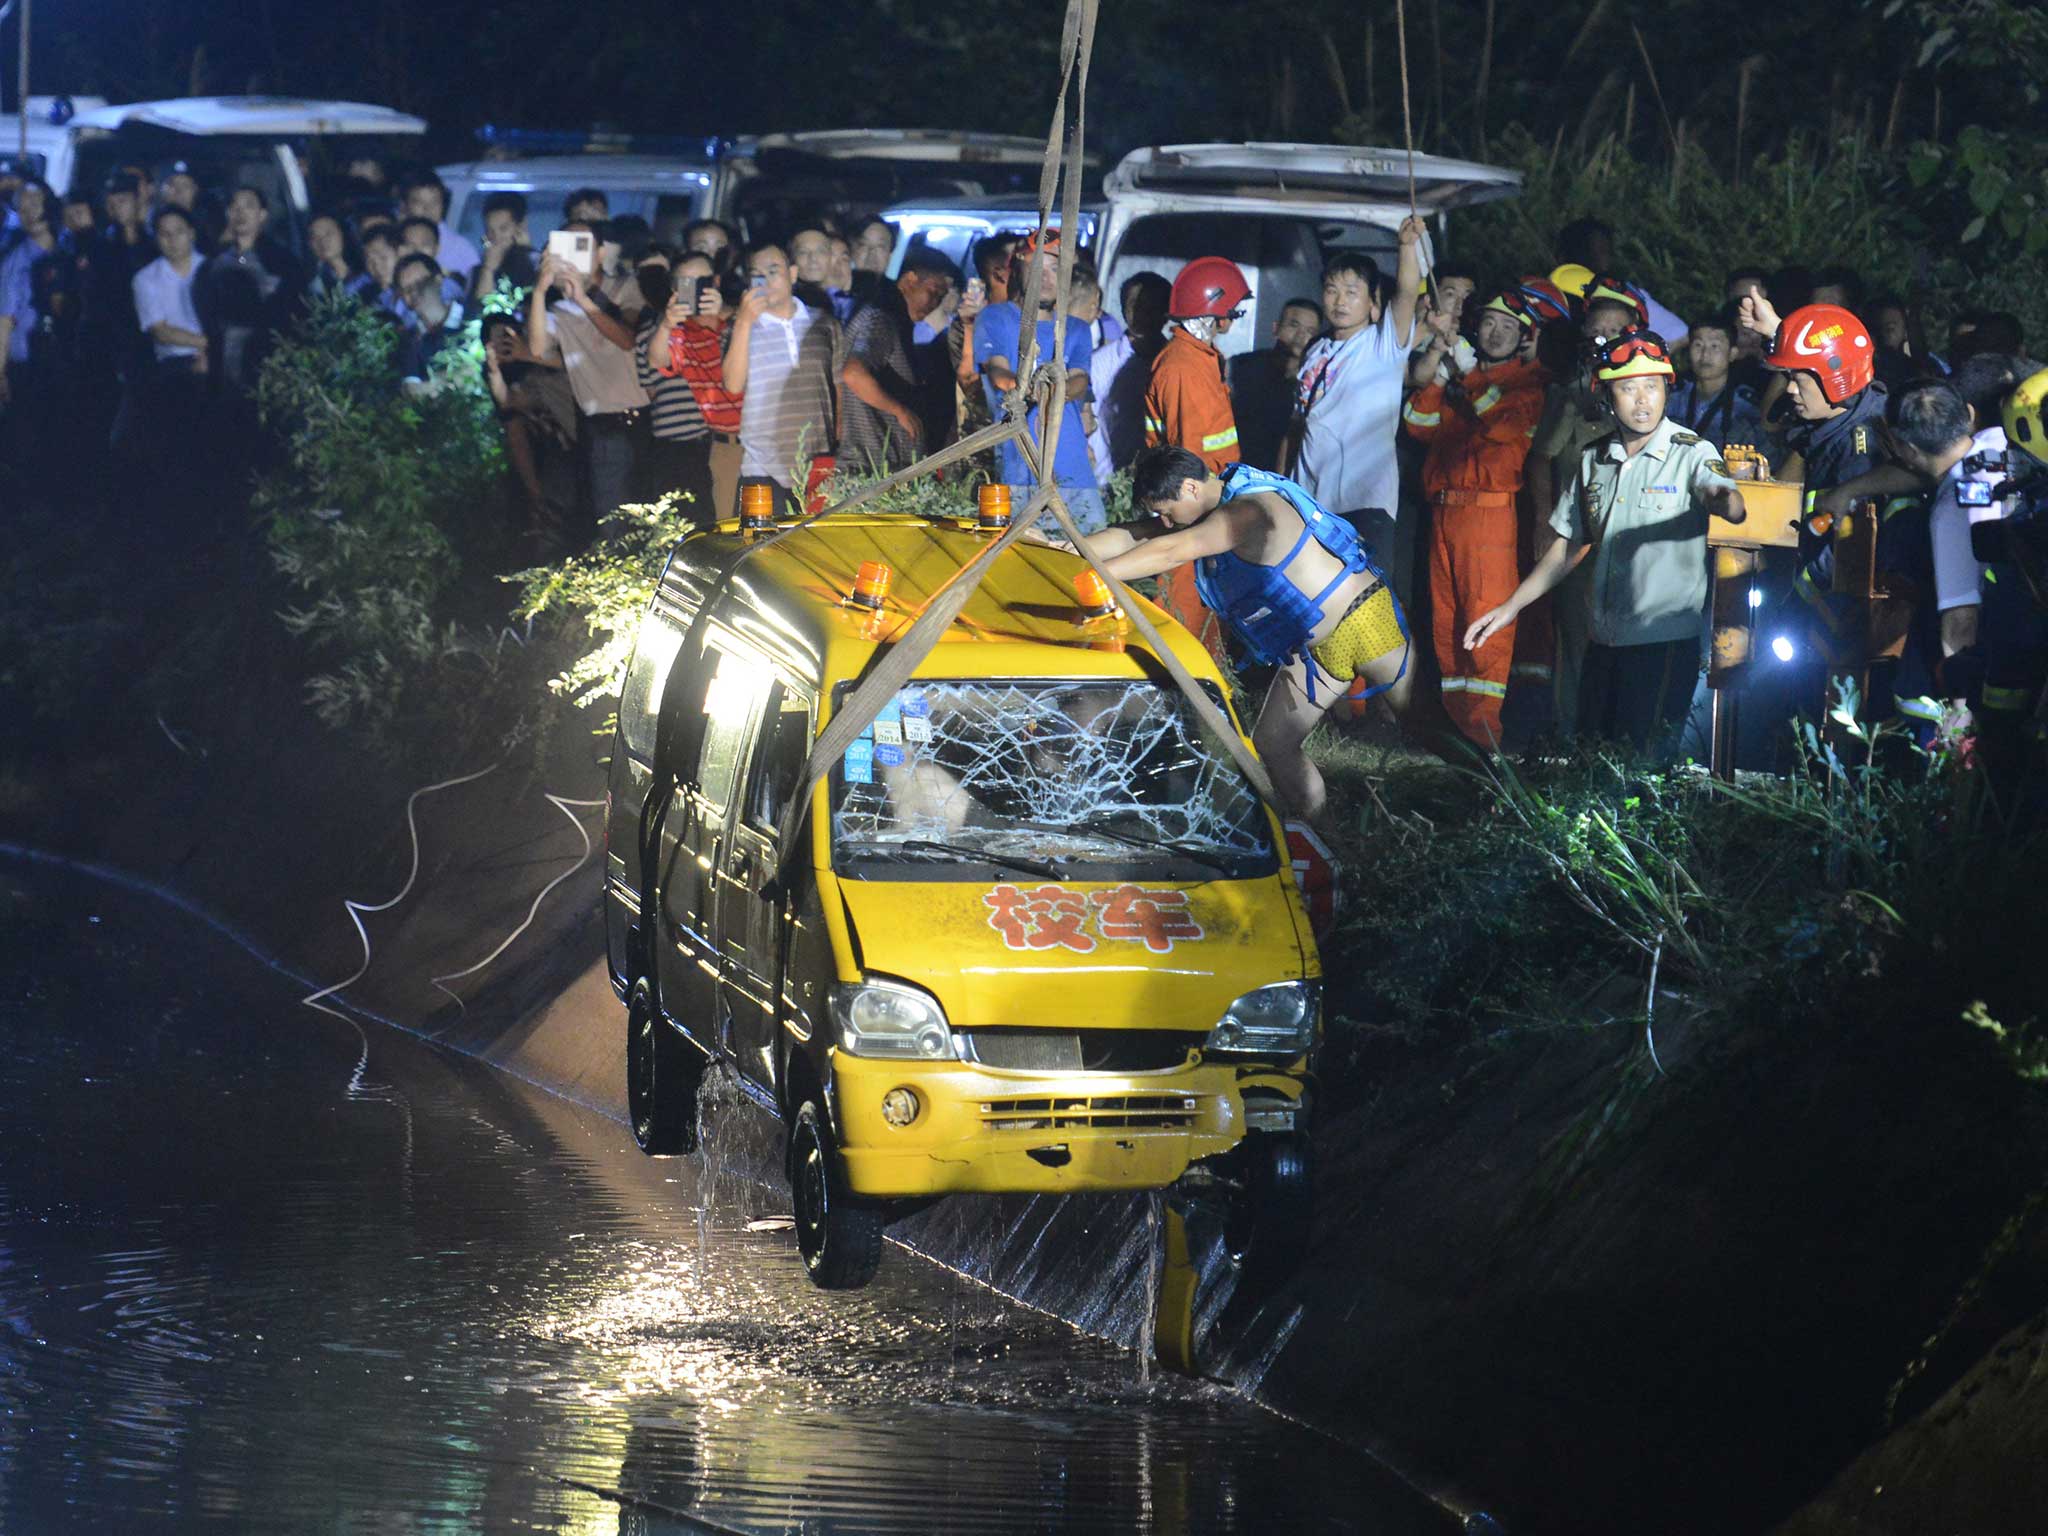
{"x": 1407, "y": 126}
{"x": 1044, "y": 388}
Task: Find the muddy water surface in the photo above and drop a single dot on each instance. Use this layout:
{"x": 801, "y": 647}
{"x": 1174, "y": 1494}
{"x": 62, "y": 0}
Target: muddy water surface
{"x": 263, "y": 1269}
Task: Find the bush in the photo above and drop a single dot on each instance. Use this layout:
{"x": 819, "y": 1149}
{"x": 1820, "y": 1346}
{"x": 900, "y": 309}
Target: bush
{"x": 608, "y": 587}
{"x": 1681, "y": 226}
{"x": 1513, "y": 898}
{"x": 373, "y": 478}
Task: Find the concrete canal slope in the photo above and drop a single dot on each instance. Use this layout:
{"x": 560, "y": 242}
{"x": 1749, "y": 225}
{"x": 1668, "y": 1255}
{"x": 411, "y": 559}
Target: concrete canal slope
{"x": 1546, "y": 1281}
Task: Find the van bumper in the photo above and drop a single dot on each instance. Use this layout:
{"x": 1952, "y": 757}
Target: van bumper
{"x": 996, "y": 1132}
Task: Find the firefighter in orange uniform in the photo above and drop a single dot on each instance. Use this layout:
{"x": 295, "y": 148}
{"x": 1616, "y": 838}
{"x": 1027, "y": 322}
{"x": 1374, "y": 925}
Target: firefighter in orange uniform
{"x": 1478, "y": 429}
{"x": 1188, "y": 405}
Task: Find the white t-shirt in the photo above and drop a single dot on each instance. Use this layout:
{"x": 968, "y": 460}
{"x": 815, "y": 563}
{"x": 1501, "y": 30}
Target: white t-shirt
{"x": 161, "y": 296}
{"x": 1351, "y": 392}
{"x": 1103, "y": 363}
{"x": 1958, "y": 578}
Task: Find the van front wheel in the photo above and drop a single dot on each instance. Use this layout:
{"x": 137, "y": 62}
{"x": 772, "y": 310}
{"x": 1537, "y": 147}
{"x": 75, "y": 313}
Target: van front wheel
{"x": 839, "y": 1234}
{"x": 1268, "y": 1225}
{"x": 663, "y": 1071}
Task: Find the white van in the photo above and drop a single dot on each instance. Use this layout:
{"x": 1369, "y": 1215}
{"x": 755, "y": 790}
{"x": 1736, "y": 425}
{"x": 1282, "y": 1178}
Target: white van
{"x": 1275, "y": 210}
{"x": 230, "y": 141}
{"x": 667, "y": 190}
{"x": 49, "y": 118}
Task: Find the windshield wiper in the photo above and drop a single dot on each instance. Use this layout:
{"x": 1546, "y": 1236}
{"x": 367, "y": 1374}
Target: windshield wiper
{"x": 974, "y": 855}
{"x": 1138, "y": 840}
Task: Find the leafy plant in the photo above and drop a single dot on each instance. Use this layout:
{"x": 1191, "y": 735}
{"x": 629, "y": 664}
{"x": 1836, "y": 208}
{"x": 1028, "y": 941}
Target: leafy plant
{"x": 360, "y": 508}
{"x": 606, "y": 588}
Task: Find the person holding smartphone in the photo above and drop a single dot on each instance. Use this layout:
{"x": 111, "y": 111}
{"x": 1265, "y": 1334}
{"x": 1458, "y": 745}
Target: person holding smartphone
{"x": 570, "y": 317}
{"x": 679, "y": 445}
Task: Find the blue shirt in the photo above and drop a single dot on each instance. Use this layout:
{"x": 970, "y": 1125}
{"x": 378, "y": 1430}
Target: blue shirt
{"x": 17, "y": 296}
{"x": 997, "y": 333}
{"x": 1729, "y": 417}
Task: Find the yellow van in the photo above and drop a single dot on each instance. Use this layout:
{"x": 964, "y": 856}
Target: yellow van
{"x": 1039, "y": 935}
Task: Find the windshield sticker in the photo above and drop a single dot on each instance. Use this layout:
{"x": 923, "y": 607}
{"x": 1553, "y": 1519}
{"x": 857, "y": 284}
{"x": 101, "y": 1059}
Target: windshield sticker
{"x": 888, "y": 733}
{"x": 858, "y": 766}
{"x": 888, "y": 756}
{"x": 914, "y": 704}
{"x": 1053, "y": 917}
{"x": 917, "y": 729}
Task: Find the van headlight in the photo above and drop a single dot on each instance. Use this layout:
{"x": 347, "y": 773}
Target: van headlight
{"x": 889, "y": 1018}
{"x": 1278, "y": 1020}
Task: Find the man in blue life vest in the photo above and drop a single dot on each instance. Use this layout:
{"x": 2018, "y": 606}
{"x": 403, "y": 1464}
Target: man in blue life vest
{"x": 1298, "y": 588}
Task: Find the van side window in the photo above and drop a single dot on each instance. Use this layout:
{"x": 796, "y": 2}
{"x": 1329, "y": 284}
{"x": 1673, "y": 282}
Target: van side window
{"x": 729, "y": 704}
{"x": 646, "y": 676}
{"x": 779, "y": 765}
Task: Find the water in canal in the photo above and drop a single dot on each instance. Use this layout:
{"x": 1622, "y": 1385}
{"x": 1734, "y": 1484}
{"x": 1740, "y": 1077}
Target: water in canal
{"x": 261, "y": 1269}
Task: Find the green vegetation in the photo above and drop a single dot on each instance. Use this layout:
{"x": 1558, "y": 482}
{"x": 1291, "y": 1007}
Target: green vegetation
{"x": 364, "y": 505}
{"x": 1545, "y": 896}
{"x": 604, "y": 591}
{"x": 1684, "y": 222}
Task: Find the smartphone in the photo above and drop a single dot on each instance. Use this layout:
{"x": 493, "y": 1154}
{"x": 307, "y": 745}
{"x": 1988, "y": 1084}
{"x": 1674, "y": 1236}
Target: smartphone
{"x": 976, "y": 290}
{"x": 757, "y": 279}
{"x": 572, "y": 247}
{"x": 686, "y": 293}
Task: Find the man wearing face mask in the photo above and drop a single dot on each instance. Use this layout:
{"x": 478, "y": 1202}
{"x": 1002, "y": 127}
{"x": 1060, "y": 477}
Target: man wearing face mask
{"x": 1478, "y": 428}
{"x": 1638, "y": 503}
{"x": 1188, "y": 405}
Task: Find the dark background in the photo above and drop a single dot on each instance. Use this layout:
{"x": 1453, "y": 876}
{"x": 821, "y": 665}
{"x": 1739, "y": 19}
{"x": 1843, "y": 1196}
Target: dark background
{"x": 1165, "y": 70}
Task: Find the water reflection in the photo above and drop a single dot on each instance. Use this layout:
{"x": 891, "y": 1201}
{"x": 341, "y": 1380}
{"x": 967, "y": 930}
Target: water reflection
{"x": 236, "y": 1290}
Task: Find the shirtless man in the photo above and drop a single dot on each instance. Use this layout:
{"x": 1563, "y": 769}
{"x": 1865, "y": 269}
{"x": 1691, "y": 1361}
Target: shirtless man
{"x": 1298, "y": 588}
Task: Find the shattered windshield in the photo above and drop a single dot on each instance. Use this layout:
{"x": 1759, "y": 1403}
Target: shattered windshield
{"x": 1115, "y": 774}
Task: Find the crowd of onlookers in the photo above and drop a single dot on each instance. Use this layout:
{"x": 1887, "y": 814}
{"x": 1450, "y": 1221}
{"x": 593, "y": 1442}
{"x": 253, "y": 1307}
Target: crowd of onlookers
{"x": 1449, "y": 415}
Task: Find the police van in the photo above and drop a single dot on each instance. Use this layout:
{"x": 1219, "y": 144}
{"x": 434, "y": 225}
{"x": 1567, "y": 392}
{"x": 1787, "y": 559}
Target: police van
{"x": 1035, "y": 931}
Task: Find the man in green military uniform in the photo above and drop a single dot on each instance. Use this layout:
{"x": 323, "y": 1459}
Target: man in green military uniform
{"x": 1638, "y": 503}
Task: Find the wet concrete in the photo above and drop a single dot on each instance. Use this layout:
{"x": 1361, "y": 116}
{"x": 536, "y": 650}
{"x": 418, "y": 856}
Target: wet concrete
{"x": 262, "y": 1268}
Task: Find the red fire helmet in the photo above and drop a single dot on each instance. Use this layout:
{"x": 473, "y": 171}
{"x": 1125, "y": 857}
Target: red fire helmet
{"x": 1828, "y": 342}
{"x": 1208, "y": 285}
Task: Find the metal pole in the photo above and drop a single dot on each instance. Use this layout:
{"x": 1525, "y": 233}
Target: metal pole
{"x": 21, "y": 81}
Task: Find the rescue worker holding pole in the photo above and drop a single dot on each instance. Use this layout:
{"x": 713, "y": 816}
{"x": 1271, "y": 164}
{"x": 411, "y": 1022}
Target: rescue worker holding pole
{"x": 1296, "y": 586}
{"x": 1638, "y": 504}
{"x": 1188, "y": 405}
{"x": 1478, "y": 429}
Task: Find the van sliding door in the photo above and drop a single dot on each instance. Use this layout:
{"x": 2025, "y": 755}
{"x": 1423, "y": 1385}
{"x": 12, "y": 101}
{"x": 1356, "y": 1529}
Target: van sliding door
{"x": 752, "y": 944}
{"x": 696, "y": 843}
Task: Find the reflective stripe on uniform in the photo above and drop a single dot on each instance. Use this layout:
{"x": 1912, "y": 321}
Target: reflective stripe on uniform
{"x": 1479, "y": 685}
{"x": 1530, "y": 669}
{"x": 1487, "y": 401}
{"x": 1216, "y": 442}
{"x": 1422, "y": 418}
{"x": 2016, "y": 700}
{"x": 1154, "y": 425}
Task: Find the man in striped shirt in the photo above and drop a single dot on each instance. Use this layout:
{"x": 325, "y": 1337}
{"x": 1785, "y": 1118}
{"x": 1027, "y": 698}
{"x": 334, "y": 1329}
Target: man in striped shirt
{"x": 784, "y": 356}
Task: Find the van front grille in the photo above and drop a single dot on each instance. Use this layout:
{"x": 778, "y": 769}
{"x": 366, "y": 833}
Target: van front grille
{"x": 1121, "y": 1111}
{"x": 1086, "y": 1050}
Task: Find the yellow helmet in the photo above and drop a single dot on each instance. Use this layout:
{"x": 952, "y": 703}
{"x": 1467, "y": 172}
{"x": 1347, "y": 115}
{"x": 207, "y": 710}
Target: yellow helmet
{"x": 1572, "y": 278}
{"x": 2024, "y": 428}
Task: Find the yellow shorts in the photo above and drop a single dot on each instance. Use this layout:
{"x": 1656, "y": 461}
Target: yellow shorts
{"x": 1369, "y": 631}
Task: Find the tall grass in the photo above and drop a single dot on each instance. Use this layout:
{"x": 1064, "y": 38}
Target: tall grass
{"x": 1512, "y": 898}
{"x": 1683, "y": 224}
